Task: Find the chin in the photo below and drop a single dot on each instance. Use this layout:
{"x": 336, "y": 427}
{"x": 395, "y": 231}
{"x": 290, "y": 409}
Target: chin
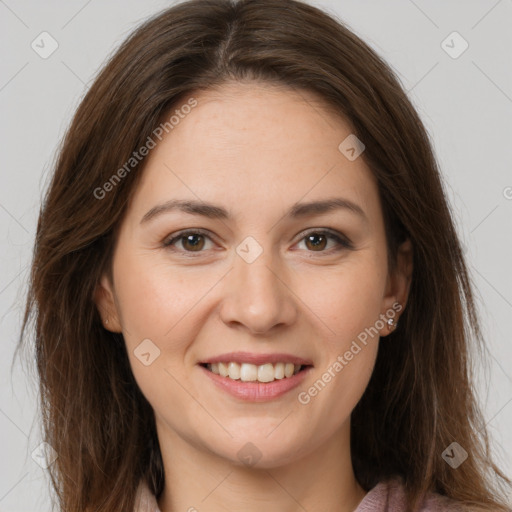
{"x": 259, "y": 452}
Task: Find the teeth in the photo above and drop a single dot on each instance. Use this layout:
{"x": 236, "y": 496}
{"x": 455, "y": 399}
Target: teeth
{"x": 234, "y": 371}
{"x": 223, "y": 369}
{"x": 279, "y": 371}
{"x": 266, "y": 373}
{"x": 247, "y": 372}
{"x": 288, "y": 369}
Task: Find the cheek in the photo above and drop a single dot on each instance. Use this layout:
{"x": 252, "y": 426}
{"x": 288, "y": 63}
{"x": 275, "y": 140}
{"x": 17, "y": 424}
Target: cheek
{"x": 153, "y": 296}
{"x": 348, "y": 306}
{"x": 163, "y": 304}
{"x": 155, "y": 304}
{"x": 332, "y": 397}
{"x": 349, "y": 312}
{"x": 349, "y": 298}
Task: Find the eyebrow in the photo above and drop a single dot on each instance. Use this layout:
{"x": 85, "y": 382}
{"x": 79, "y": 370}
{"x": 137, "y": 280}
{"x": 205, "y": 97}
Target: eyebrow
{"x": 211, "y": 211}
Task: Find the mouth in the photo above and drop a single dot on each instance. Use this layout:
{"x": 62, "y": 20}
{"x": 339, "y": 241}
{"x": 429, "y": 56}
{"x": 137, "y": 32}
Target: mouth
{"x": 256, "y": 377}
{"x": 248, "y": 372}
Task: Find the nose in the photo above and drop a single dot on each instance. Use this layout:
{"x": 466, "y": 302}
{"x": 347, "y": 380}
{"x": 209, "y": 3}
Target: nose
{"x": 257, "y": 296}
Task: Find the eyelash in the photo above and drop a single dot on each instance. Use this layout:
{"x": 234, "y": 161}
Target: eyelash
{"x": 343, "y": 242}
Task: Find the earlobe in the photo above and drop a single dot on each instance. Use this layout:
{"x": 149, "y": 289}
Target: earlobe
{"x": 104, "y": 300}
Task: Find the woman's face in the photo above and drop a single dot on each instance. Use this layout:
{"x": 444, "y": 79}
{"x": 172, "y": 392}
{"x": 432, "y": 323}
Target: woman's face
{"x": 256, "y": 276}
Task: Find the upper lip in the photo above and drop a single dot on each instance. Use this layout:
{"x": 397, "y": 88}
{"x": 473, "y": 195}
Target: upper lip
{"x": 257, "y": 359}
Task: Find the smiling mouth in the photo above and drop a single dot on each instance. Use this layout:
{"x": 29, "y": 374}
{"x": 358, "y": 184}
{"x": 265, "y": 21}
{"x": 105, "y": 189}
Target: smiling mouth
{"x": 247, "y": 372}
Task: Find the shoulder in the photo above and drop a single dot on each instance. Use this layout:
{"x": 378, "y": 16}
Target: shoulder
{"x": 389, "y": 496}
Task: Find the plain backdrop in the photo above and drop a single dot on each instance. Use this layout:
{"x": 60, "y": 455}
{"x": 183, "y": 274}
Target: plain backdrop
{"x": 464, "y": 100}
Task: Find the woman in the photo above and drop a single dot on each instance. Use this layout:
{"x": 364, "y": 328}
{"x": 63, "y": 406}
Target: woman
{"x": 245, "y": 203}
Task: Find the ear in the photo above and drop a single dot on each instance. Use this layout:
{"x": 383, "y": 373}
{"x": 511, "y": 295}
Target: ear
{"x": 398, "y": 285}
{"x": 106, "y": 304}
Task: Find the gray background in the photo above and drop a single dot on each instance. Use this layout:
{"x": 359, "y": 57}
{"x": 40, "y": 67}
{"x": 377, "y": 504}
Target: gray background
{"x": 465, "y": 102}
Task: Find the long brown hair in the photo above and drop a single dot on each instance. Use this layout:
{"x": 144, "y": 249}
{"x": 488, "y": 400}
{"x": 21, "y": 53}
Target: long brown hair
{"x": 421, "y": 395}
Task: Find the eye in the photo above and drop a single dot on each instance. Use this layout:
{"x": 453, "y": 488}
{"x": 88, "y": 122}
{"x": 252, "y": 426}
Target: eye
{"x": 316, "y": 241}
{"x": 191, "y": 240}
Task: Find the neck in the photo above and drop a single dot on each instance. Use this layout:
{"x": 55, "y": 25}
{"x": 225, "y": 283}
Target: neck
{"x": 196, "y": 479}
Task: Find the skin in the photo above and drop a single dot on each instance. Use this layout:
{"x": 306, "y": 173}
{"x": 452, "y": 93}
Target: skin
{"x": 256, "y": 150}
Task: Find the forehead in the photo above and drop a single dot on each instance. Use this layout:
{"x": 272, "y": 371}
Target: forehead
{"x": 263, "y": 118}
{"x": 257, "y": 145}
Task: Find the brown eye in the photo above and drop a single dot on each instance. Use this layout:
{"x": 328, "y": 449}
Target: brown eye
{"x": 316, "y": 242}
{"x": 191, "y": 241}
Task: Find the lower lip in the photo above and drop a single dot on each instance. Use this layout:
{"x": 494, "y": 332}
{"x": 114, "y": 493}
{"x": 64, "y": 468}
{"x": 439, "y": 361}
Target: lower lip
{"x": 257, "y": 391}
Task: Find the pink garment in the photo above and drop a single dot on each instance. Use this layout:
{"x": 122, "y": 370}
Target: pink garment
{"x": 388, "y": 496}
